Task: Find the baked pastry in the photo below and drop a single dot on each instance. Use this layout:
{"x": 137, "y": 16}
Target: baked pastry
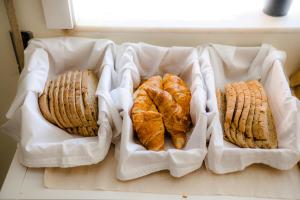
{"x": 147, "y": 121}
{"x": 70, "y": 102}
{"x": 175, "y": 120}
{"x": 248, "y": 120}
{"x": 179, "y": 91}
{"x": 158, "y": 104}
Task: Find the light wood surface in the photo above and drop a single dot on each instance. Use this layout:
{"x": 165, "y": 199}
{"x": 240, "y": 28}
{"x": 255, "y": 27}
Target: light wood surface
{"x": 27, "y": 183}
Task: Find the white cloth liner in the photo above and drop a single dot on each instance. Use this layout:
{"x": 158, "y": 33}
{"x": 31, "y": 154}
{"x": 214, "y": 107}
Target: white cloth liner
{"x": 225, "y": 64}
{"x": 140, "y": 61}
{"x": 42, "y": 144}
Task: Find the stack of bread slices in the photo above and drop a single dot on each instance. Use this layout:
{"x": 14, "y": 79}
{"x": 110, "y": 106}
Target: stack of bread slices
{"x": 246, "y": 115}
{"x": 70, "y": 103}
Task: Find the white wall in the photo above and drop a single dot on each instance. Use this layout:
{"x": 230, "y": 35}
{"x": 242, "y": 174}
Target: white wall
{"x": 8, "y": 82}
{"x": 31, "y": 18}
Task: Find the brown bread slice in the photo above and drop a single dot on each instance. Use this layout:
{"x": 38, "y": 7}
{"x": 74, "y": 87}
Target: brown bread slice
{"x": 71, "y": 100}
{"x": 90, "y": 100}
{"x": 51, "y": 103}
{"x": 263, "y": 116}
{"x": 246, "y": 108}
{"x": 249, "y": 135}
{"x": 61, "y": 103}
{"x": 88, "y": 86}
{"x": 55, "y": 100}
{"x": 266, "y": 125}
{"x": 230, "y": 107}
{"x": 44, "y": 103}
{"x": 240, "y": 138}
{"x": 221, "y": 101}
{"x": 87, "y": 131}
{"x": 253, "y": 85}
{"x": 240, "y": 103}
{"x": 272, "y": 130}
{"x": 66, "y": 101}
{"x": 243, "y": 119}
{"x": 222, "y": 116}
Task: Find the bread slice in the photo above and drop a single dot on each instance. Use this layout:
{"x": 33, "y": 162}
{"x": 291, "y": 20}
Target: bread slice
{"x": 249, "y": 134}
{"x": 88, "y": 86}
{"x": 71, "y": 101}
{"x": 246, "y": 108}
{"x": 253, "y": 85}
{"x": 51, "y": 103}
{"x": 87, "y": 131}
{"x": 240, "y": 138}
{"x": 272, "y": 130}
{"x": 66, "y": 101}
{"x": 263, "y": 116}
{"x": 44, "y": 103}
{"x": 221, "y": 101}
{"x": 230, "y": 94}
{"x": 56, "y": 104}
{"x": 240, "y": 103}
{"x": 266, "y": 127}
{"x": 90, "y": 100}
{"x": 61, "y": 103}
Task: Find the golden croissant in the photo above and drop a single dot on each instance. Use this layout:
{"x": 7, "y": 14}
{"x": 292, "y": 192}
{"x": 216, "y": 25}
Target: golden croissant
{"x": 179, "y": 91}
{"x": 175, "y": 120}
{"x": 147, "y": 121}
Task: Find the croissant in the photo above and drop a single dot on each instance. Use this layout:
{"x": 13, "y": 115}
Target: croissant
{"x": 147, "y": 121}
{"x": 175, "y": 120}
{"x": 179, "y": 91}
